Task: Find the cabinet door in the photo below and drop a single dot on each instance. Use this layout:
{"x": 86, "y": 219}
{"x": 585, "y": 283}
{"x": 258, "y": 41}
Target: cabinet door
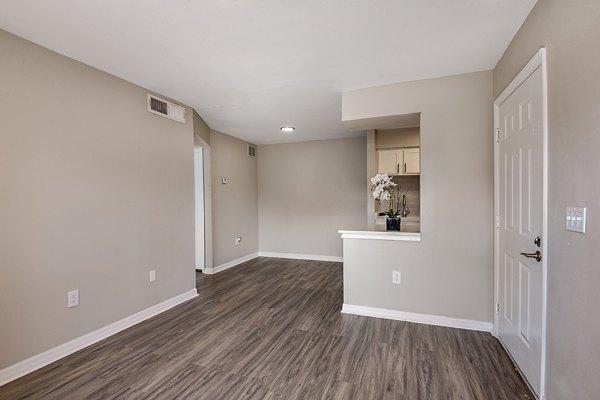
{"x": 411, "y": 161}
{"x": 390, "y": 161}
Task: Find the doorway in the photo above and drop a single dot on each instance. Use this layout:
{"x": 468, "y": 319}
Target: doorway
{"x": 203, "y": 205}
{"x": 199, "y": 203}
{"x": 520, "y": 163}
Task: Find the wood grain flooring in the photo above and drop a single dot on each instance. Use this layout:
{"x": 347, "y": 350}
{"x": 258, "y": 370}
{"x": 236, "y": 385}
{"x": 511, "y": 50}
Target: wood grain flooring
{"x": 272, "y": 329}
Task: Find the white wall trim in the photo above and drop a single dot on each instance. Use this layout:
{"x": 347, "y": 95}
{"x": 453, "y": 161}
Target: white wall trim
{"x": 38, "y": 361}
{"x": 230, "y": 264}
{"x": 238, "y": 261}
{"x": 207, "y": 192}
{"x": 428, "y": 319}
{"x": 382, "y": 235}
{"x": 300, "y": 256}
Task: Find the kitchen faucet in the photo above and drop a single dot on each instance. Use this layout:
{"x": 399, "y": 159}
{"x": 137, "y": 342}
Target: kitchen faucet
{"x": 405, "y": 209}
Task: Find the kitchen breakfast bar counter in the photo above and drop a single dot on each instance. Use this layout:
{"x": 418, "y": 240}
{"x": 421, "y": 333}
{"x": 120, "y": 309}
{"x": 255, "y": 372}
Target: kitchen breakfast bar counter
{"x": 407, "y": 233}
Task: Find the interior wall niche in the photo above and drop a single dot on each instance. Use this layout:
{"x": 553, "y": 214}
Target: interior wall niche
{"x": 395, "y": 150}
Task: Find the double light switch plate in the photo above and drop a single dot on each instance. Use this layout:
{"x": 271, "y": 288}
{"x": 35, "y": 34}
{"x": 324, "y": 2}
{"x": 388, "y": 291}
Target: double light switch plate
{"x": 576, "y": 219}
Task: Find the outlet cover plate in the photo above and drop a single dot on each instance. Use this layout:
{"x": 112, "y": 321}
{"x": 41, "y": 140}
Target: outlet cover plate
{"x": 73, "y": 298}
{"x": 396, "y": 277}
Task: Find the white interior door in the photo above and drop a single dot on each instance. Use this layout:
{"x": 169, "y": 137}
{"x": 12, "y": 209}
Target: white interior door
{"x": 520, "y": 222}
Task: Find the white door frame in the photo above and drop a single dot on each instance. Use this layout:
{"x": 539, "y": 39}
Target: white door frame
{"x": 199, "y": 209}
{"x": 206, "y": 157}
{"x": 538, "y": 61}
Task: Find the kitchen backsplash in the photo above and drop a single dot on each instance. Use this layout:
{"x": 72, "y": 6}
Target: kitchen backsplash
{"x": 408, "y": 185}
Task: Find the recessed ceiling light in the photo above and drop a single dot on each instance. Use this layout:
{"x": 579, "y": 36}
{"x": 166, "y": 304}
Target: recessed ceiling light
{"x": 287, "y": 129}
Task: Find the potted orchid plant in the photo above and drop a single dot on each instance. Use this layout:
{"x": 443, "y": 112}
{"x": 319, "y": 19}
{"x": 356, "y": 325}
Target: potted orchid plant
{"x": 383, "y": 189}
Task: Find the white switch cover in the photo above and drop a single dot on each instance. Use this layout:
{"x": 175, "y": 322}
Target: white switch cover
{"x": 396, "y": 277}
{"x": 224, "y": 181}
{"x": 576, "y": 219}
{"x": 73, "y": 298}
{"x": 238, "y": 240}
{"x": 152, "y": 275}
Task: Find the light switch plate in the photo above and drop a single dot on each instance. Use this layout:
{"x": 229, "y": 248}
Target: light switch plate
{"x": 576, "y": 219}
{"x": 224, "y": 180}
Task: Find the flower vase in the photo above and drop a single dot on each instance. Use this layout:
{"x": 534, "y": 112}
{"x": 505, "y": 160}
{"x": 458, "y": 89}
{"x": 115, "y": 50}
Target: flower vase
{"x": 392, "y": 224}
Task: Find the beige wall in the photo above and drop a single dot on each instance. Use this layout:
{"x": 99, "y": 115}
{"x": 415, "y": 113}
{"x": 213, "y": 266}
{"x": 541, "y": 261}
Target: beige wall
{"x": 393, "y": 138}
{"x": 200, "y": 128}
{"x": 307, "y": 192}
{"x": 450, "y": 272}
{"x": 95, "y": 192}
{"x": 570, "y": 32}
{"x": 234, "y": 205}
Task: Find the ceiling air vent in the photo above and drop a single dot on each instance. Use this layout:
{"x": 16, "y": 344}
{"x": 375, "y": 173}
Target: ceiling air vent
{"x": 165, "y": 108}
{"x": 251, "y": 151}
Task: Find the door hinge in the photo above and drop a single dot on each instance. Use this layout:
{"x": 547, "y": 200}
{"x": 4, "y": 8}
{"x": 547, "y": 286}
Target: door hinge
{"x": 497, "y": 307}
{"x": 497, "y": 134}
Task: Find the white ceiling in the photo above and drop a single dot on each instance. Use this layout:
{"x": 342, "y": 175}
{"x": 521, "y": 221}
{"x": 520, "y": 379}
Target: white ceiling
{"x": 251, "y": 66}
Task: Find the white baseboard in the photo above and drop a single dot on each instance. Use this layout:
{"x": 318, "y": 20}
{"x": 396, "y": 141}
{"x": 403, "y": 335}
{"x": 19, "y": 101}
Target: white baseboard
{"x": 300, "y": 256}
{"x": 238, "y": 261}
{"x": 40, "y": 360}
{"x": 418, "y": 318}
{"x": 230, "y": 264}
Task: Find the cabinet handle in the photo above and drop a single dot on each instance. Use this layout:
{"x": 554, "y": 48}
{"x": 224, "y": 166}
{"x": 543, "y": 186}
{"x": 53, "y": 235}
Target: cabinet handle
{"x": 404, "y": 167}
{"x": 397, "y": 168}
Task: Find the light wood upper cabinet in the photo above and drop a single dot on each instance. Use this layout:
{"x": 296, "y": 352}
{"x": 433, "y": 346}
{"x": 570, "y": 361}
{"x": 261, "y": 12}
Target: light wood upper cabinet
{"x": 411, "y": 161}
{"x": 390, "y": 161}
{"x": 399, "y": 161}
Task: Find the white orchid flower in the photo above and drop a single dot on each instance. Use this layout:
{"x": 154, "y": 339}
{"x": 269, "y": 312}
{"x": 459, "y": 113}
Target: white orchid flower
{"x": 382, "y": 185}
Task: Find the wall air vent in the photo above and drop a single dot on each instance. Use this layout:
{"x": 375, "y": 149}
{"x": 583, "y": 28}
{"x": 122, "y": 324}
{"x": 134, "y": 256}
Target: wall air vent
{"x": 159, "y": 106}
{"x": 251, "y": 150}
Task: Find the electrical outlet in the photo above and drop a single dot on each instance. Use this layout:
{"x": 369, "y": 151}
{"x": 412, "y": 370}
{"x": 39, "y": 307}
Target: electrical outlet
{"x": 396, "y": 277}
{"x": 73, "y": 298}
{"x": 152, "y": 275}
{"x": 238, "y": 240}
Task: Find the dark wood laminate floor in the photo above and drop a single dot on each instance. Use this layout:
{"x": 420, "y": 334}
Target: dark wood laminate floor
{"x": 272, "y": 329}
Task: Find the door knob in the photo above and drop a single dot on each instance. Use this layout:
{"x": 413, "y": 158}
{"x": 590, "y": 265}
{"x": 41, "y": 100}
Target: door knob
{"x": 537, "y": 255}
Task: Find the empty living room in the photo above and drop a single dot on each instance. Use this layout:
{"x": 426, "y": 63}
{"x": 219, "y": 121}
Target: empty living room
{"x": 266, "y": 199}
